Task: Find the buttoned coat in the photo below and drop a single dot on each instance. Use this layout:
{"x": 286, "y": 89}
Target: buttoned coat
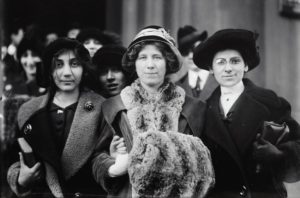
{"x": 231, "y": 144}
{"x": 191, "y": 121}
{"x": 72, "y": 167}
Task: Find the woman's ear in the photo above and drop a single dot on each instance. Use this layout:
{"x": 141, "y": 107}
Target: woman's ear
{"x": 246, "y": 68}
{"x": 211, "y": 71}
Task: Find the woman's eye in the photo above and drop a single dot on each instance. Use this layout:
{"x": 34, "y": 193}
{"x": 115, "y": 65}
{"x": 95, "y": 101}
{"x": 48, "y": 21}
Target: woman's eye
{"x": 158, "y": 57}
{"x": 75, "y": 64}
{"x": 58, "y": 64}
{"x": 220, "y": 62}
{"x": 235, "y": 61}
{"x": 141, "y": 57}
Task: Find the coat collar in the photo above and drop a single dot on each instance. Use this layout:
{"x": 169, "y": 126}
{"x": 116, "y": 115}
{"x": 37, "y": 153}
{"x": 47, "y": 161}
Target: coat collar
{"x": 82, "y": 136}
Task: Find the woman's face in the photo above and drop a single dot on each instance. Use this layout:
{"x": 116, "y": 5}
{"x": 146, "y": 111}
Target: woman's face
{"x": 151, "y": 66}
{"x": 92, "y": 45}
{"x": 112, "y": 81}
{"x": 67, "y": 72}
{"x": 228, "y": 67}
{"x": 29, "y": 61}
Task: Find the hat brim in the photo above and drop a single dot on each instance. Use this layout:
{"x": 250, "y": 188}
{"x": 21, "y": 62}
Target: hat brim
{"x": 238, "y": 39}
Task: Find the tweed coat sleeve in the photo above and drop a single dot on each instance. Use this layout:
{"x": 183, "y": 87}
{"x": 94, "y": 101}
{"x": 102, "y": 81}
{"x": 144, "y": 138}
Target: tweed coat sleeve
{"x": 12, "y": 179}
{"x": 102, "y": 160}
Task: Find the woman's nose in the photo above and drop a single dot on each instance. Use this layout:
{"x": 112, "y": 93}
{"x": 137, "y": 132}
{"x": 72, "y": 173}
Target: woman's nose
{"x": 150, "y": 63}
{"x": 67, "y": 70}
{"x": 110, "y": 75}
{"x": 228, "y": 67}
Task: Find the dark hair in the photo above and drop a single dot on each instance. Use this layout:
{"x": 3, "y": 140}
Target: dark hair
{"x": 88, "y": 77}
{"x": 168, "y": 54}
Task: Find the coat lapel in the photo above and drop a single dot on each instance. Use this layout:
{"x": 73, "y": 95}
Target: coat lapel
{"x": 246, "y": 121}
{"x": 83, "y": 134}
{"x": 216, "y": 129}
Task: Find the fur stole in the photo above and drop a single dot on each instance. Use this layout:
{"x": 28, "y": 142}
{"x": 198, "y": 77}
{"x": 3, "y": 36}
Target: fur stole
{"x": 158, "y": 112}
{"x": 164, "y": 162}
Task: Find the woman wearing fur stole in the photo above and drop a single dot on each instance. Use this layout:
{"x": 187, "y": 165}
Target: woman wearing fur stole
{"x": 60, "y": 127}
{"x": 153, "y": 127}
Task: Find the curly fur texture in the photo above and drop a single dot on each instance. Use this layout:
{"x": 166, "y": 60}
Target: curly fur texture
{"x": 170, "y": 164}
{"x": 164, "y": 162}
{"x": 153, "y": 112}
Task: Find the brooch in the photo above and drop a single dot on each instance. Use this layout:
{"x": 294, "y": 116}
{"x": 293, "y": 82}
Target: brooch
{"x": 88, "y": 106}
{"x": 27, "y": 129}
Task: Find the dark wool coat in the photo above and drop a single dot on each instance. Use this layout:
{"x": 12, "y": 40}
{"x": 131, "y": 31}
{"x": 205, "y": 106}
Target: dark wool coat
{"x": 69, "y": 173}
{"x": 231, "y": 145}
{"x": 190, "y": 122}
{"x": 210, "y": 85}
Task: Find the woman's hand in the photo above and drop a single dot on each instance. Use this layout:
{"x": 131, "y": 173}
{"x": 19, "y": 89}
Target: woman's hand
{"x": 117, "y": 146}
{"x": 266, "y": 152}
{"x": 28, "y": 175}
{"x": 120, "y": 166}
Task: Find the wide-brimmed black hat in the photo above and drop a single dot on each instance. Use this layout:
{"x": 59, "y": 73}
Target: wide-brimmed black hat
{"x": 157, "y": 34}
{"x": 109, "y": 55}
{"x": 44, "y": 73}
{"x": 241, "y": 40}
{"x": 28, "y": 44}
{"x": 187, "y": 36}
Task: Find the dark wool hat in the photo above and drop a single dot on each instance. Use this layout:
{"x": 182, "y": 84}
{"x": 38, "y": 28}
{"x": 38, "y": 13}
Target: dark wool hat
{"x": 27, "y": 44}
{"x": 102, "y": 37}
{"x": 44, "y": 73}
{"x": 241, "y": 40}
{"x": 157, "y": 34}
{"x": 187, "y": 36}
{"x": 109, "y": 55}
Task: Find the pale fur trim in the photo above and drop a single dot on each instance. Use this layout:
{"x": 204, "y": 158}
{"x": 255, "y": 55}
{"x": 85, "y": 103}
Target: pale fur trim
{"x": 158, "y": 112}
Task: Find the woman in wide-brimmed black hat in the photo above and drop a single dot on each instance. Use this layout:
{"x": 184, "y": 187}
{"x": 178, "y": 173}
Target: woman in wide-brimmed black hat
{"x": 158, "y": 124}
{"x": 249, "y": 160}
{"x": 61, "y": 127}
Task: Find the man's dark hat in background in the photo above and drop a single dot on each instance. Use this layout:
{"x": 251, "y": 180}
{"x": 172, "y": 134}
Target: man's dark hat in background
{"x": 95, "y": 33}
{"x": 44, "y": 72}
{"x": 187, "y": 36}
{"x": 108, "y": 56}
{"x": 241, "y": 40}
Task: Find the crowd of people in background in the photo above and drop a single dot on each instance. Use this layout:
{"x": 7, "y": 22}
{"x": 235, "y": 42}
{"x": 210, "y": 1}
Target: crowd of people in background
{"x": 159, "y": 118}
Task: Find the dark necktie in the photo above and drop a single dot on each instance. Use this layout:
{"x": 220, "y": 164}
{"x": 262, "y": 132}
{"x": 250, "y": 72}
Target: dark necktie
{"x": 197, "y": 89}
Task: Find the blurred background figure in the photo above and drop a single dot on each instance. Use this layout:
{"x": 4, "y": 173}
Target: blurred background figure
{"x": 51, "y": 33}
{"x": 112, "y": 77}
{"x": 73, "y": 30}
{"x": 24, "y": 83}
{"x": 195, "y": 81}
{"x": 93, "y": 39}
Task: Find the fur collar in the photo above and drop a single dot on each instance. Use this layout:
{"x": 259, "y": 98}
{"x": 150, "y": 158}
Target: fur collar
{"x": 159, "y": 112}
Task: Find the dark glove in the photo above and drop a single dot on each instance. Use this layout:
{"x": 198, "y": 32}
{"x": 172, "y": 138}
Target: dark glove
{"x": 265, "y": 152}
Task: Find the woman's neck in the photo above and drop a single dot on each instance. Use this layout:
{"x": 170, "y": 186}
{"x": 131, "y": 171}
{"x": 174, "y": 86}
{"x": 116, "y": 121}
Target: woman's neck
{"x": 151, "y": 89}
{"x": 64, "y": 99}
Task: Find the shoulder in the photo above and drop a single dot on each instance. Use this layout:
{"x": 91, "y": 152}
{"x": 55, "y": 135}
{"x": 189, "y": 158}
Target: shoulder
{"x": 30, "y": 107}
{"x": 268, "y": 98}
{"x": 193, "y": 107}
{"x": 111, "y": 107}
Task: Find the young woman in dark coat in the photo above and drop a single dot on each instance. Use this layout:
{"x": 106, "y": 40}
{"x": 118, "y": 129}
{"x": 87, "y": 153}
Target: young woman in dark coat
{"x": 61, "y": 127}
{"x": 246, "y": 162}
{"x": 158, "y": 123}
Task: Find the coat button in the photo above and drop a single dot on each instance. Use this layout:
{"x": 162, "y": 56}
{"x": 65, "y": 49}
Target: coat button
{"x": 89, "y": 106}
{"x": 27, "y": 129}
{"x": 243, "y": 192}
